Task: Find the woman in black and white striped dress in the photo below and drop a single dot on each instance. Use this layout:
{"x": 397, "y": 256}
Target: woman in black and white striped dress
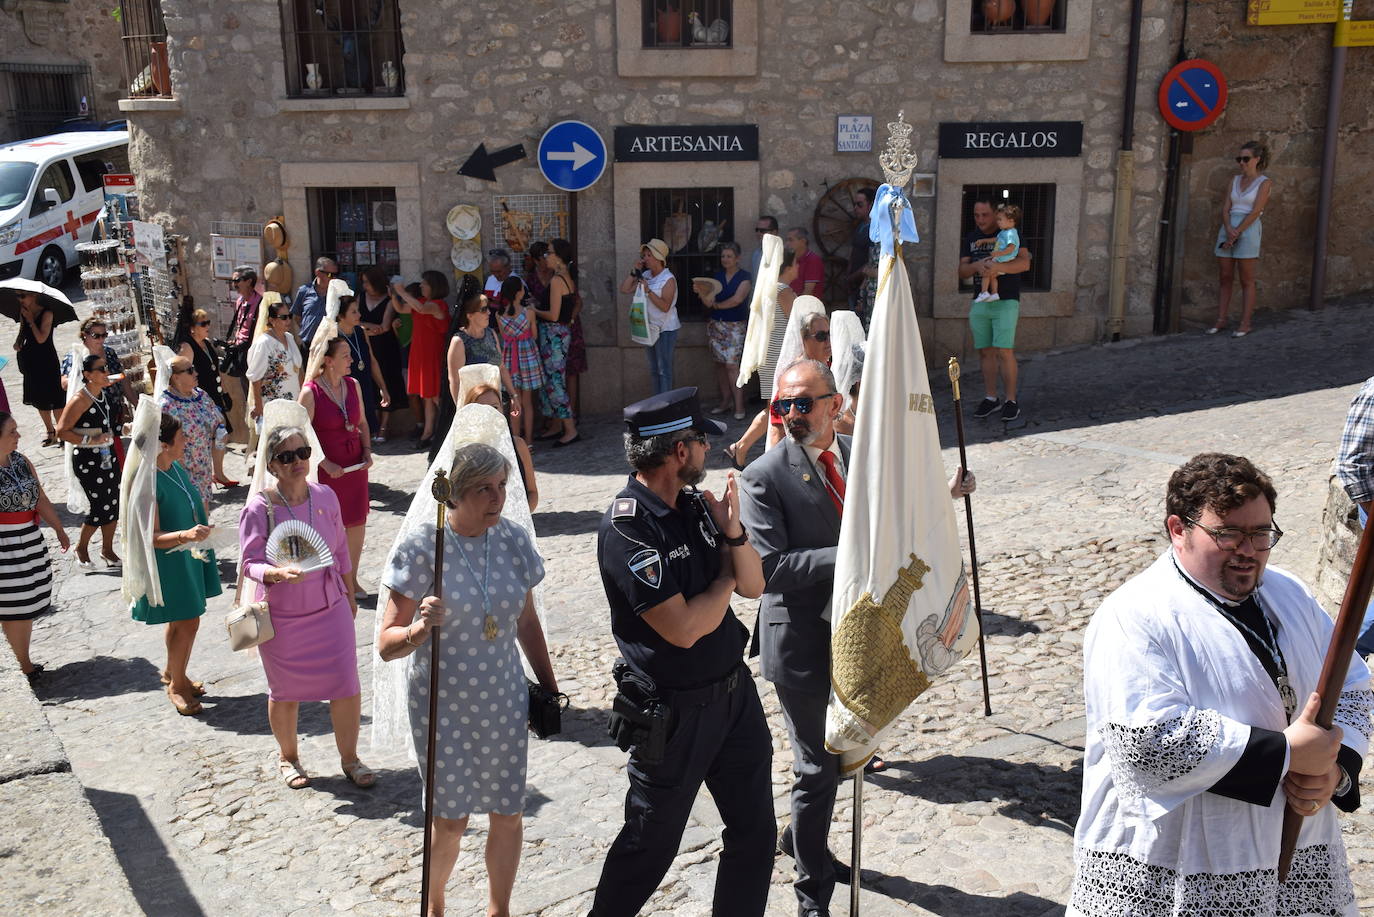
{"x": 25, "y": 579}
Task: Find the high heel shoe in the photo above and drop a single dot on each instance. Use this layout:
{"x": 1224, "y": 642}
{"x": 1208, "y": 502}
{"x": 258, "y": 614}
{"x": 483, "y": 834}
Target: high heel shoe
{"x": 84, "y": 564}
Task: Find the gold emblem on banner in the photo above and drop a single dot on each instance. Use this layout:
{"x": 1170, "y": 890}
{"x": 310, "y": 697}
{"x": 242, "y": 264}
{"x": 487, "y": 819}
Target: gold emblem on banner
{"x": 872, "y": 671}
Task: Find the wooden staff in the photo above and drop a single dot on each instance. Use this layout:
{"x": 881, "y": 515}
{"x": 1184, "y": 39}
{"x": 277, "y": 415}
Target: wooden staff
{"x": 441, "y": 491}
{"x": 1332, "y": 681}
{"x": 968, "y": 518}
{"x": 856, "y": 847}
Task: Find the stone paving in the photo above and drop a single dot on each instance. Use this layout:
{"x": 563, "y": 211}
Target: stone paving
{"x": 975, "y": 815}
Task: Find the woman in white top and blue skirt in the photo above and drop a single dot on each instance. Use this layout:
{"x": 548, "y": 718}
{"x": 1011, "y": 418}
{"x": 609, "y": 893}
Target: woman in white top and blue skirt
{"x": 1238, "y": 238}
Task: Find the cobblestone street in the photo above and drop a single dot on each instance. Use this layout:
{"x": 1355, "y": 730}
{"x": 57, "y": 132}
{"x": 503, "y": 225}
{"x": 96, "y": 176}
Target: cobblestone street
{"x": 975, "y": 814}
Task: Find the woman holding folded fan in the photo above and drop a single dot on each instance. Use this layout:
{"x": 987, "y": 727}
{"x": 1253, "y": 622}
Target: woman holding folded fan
{"x": 334, "y": 401}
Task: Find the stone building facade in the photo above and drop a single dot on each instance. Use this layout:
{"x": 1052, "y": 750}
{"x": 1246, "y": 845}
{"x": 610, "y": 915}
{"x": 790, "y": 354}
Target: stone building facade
{"x": 248, "y": 135}
{"x": 52, "y": 54}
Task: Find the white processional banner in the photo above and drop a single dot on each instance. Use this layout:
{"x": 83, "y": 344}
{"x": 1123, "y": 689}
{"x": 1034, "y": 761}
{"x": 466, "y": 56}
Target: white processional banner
{"x": 902, "y": 614}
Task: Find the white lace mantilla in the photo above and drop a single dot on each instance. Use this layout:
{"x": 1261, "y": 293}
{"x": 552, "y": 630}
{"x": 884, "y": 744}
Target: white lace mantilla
{"x": 1112, "y": 884}
{"x": 1353, "y": 711}
{"x": 1144, "y": 758}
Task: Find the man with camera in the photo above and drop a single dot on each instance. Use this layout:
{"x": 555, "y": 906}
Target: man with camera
{"x": 686, "y": 709}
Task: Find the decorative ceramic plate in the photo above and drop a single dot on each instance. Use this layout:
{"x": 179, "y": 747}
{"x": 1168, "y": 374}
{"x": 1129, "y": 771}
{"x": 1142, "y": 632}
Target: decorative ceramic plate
{"x": 464, "y": 221}
{"x": 466, "y": 255}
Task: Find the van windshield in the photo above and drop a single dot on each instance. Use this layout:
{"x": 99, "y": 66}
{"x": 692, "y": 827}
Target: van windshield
{"x": 15, "y": 178}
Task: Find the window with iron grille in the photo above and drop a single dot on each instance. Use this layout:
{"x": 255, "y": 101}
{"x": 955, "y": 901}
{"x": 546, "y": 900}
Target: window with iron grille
{"x": 693, "y": 221}
{"x": 356, "y": 227}
{"x": 45, "y": 96}
{"x": 342, "y": 47}
{"x": 1036, "y": 229}
{"x": 998, "y": 17}
{"x": 687, "y": 23}
{"x": 146, "y": 67}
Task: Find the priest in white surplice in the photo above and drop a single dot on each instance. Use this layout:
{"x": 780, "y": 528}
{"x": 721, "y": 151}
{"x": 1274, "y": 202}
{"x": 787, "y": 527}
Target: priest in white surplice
{"x": 1191, "y": 754}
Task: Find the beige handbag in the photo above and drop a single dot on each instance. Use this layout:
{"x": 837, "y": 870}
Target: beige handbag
{"x": 251, "y": 623}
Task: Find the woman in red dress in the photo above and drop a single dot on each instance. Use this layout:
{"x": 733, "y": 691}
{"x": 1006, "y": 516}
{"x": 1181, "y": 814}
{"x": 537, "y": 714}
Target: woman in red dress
{"x": 430, "y": 314}
{"x": 334, "y": 402}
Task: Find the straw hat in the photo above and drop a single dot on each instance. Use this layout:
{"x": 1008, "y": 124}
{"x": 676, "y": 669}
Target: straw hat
{"x": 657, "y": 247}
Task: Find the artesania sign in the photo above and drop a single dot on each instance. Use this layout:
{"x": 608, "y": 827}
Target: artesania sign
{"x": 694, "y": 143}
{"x": 1293, "y": 12}
{"x": 986, "y": 140}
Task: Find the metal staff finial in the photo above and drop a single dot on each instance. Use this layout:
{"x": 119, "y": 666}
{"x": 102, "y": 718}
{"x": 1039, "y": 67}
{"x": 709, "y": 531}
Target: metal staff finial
{"x": 897, "y": 160}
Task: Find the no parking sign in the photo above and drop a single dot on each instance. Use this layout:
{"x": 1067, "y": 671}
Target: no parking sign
{"x": 1192, "y": 95}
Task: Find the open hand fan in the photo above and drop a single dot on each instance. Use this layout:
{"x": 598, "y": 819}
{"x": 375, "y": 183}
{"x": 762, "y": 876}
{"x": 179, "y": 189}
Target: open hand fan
{"x": 295, "y": 543}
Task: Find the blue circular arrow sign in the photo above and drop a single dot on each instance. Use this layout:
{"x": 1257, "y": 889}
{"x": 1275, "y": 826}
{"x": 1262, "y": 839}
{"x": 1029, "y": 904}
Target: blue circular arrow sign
{"x": 572, "y": 155}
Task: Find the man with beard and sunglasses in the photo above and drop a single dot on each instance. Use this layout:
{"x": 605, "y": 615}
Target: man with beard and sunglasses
{"x": 686, "y": 707}
{"x": 1199, "y": 677}
{"x": 792, "y": 499}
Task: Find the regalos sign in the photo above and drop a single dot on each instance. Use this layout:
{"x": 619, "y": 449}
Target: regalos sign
{"x": 984, "y": 140}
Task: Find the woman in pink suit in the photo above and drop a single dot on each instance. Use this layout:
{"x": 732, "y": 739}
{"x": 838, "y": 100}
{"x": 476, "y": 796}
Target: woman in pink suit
{"x": 312, "y": 656}
{"x": 334, "y": 401}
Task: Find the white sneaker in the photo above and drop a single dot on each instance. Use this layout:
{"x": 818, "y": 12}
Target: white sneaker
{"x": 984, "y": 297}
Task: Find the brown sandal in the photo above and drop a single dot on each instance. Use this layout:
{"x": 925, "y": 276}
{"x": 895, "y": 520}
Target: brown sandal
{"x": 197, "y": 687}
{"x": 190, "y": 709}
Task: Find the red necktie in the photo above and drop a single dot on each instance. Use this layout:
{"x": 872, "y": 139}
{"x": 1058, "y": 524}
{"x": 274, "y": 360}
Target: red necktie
{"x": 832, "y": 475}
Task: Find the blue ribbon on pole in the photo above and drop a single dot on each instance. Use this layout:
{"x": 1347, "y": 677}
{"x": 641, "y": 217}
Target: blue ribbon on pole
{"x": 880, "y": 228}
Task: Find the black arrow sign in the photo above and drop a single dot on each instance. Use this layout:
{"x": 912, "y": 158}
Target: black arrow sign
{"x": 483, "y": 165}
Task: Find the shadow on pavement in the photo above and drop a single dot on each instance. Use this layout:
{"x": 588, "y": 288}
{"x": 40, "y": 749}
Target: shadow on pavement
{"x": 581, "y": 522}
{"x": 946, "y": 900}
{"x": 99, "y": 676}
{"x": 1043, "y": 796}
{"x": 386, "y": 499}
{"x": 246, "y": 714}
{"x": 152, "y": 873}
{"x": 1005, "y": 625}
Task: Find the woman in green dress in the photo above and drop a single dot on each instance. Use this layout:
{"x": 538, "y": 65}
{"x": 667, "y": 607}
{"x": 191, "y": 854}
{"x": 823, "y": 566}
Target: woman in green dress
{"x": 187, "y": 577}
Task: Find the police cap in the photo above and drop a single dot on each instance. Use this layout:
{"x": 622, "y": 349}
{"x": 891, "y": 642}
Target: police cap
{"x": 669, "y": 413}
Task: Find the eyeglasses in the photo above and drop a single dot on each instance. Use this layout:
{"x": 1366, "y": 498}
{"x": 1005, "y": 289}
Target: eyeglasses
{"x": 204, "y": 324}
{"x": 98, "y": 337}
{"x": 694, "y": 438}
{"x": 327, "y": 273}
{"x": 1229, "y": 539}
{"x": 821, "y": 336}
{"x": 1244, "y": 158}
{"x": 234, "y": 280}
{"x": 99, "y": 368}
{"x": 274, "y": 315}
{"x": 783, "y": 406}
{"x": 286, "y": 457}
{"x": 190, "y": 369}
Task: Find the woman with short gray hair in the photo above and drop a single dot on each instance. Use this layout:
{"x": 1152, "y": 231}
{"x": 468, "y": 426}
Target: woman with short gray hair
{"x": 486, "y": 605}
{"x": 312, "y": 655}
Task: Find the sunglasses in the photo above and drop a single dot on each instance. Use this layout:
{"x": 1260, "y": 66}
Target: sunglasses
{"x": 328, "y": 273}
{"x": 101, "y": 368}
{"x": 204, "y": 324}
{"x": 273, "y": 315}
{"x": 761, "y": 229}
{"x": 288, "y": 456}
{"x": 1244, "y": 158}
{"x": 189, "y": 369}
{"x": 98, "y": 337}
{"x": 234, "y": 280}
{"x": 783, "y": 406}
{"x": 821, "y": 336}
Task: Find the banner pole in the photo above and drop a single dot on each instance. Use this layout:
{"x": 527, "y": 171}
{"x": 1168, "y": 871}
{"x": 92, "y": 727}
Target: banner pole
{"x": 968, "y": 518}
{"x": 856, "y": 845}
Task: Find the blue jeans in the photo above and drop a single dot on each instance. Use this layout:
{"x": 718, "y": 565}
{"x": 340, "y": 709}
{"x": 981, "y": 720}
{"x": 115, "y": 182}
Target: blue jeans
{"x": 661, "y": 361}
{"x": 1365, "y": 645}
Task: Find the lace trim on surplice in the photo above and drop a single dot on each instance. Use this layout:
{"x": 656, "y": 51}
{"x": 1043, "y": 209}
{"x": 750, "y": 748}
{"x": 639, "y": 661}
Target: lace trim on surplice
{"x": 1144, "y": 758}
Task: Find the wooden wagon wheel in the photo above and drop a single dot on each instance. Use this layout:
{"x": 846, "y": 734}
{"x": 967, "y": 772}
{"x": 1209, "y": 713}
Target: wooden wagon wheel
{"x": 835, "y": 219}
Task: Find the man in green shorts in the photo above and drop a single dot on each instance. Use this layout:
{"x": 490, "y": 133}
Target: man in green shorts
{"x": 994, "y": 322}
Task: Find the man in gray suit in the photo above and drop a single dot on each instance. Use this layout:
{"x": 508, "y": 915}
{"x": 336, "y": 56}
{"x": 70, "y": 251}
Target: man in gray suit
{"x": 791, "y": 502}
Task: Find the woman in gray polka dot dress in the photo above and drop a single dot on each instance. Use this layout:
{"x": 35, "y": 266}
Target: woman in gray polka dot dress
{"x": 490, "y": 568}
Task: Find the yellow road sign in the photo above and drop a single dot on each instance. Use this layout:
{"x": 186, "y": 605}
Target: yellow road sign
{"x": 1354, "y": 34}
{"x": 1293, "y": 12}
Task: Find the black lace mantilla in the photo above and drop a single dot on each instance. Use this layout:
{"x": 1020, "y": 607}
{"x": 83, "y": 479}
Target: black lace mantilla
{"x": 1111, "y": 884}
{"x": 1146, "y": 757}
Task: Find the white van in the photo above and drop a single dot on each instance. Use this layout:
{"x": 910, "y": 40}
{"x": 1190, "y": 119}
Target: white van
{"x": 50, "y": 195}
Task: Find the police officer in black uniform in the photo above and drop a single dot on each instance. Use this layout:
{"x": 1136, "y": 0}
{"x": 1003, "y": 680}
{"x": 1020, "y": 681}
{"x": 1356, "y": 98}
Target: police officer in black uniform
{"x": 686, "y": 709}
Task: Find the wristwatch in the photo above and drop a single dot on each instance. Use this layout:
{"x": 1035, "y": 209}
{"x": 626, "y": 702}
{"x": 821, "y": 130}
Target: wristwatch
{"x": 743, "y": 538}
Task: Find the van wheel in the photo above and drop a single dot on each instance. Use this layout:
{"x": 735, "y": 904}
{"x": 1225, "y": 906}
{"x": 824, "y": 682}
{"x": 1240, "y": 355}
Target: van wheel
{"x": 52, "y": 268}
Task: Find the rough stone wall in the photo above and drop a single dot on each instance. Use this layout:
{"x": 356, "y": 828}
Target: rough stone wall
{"x": 42, "y": 32}
{"x": 502, "y": 73}
{"x": 1340, "y": 541}
{"x": 1278, "y": 78}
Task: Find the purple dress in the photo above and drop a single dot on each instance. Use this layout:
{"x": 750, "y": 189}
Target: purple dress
{"x": 312, "y": 655}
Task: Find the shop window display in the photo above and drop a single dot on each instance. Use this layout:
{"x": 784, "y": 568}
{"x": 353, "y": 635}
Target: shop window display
{"x": 356, "y": 227}
{"x": 342, "y": 47}
{"x": 693, "y": 221}
{"x": 1003, "y": 16}
{"x": 687, "y": 23}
